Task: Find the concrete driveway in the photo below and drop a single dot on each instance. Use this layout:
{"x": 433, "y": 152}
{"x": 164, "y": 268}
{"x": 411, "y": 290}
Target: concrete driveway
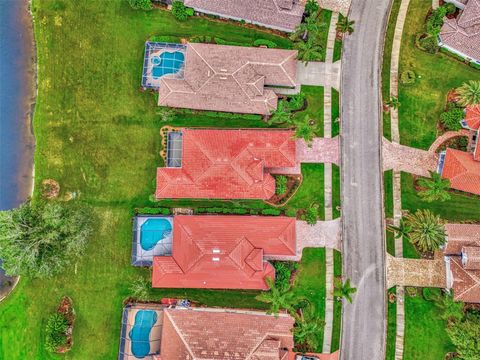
{"x": 364, "y": 321}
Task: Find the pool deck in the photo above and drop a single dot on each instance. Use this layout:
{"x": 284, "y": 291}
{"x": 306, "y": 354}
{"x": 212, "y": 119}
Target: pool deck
{"x": 128, "y": 321}
{"x": 141, "y": 257}
{"x": 152, "y": 51}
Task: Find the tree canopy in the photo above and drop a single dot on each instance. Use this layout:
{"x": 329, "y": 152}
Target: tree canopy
{"x": 40, "y": 239}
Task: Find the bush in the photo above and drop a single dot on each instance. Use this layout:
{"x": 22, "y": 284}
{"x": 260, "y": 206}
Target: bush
{"x": 451, "y": 118}
{"x": 165, "y": 38}
{"x": 274, "y": 212}
{"x": 265, "y": 42}
{"x": 56, "y": 332}
{"x": 435, "y": 21}
{"x": 296, "y": 101}
{"x": 140, "y": 4}
{"x": 180, "y": 11}
{"x": 281, "y": 185}
{"x": 291, "y": 212}
{"x": 311, "y": 215}
{"x": 221, "y": 41}
{"x": 283, "y": 273}
{"x": 153, "y": 211}
{"x": 201, "y": 39}
{"x": 474, "y": 65}
{"x": 428, "y": 44}
{"x": 407, "y": 77}
{"x": 450, "y": 8}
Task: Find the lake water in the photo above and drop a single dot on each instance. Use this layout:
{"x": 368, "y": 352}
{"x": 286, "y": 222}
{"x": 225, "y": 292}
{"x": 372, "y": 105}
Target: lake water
{"x": 16, "y": 140}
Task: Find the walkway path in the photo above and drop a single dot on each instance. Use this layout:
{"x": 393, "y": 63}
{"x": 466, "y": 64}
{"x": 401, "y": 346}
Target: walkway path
{"x": 420, "y": 161}
{"x": 403, "y": 158}
{"x": 445, "y": 137}
{"x": 327, "y": 131}
{"x": 322, "y": 150}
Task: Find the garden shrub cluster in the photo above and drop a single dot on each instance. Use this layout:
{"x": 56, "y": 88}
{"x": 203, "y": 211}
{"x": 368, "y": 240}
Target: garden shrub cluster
{"x": 283, "y": 272}
{"x": 291, "y": 212}
{"x": 311, "y": 215}
{"x": 140, "y": 4}
{"x": 220, "y": 41}
{"x": 407, "y": 77}
{"x": 180, "y": 11}
{"x": 452, "y": 117}
{"x": 435, "y": 21}
{"x": 263, "y": 42}
{"x": 237, "y": 211}
{"x": 56, "y": 332}
{"x": 280, "y": 185}
{"x": 153, "y": 211}
{"x": 274, "y": 212}
{"x": 165, "y": 38}
{"x": 217, "y": 114}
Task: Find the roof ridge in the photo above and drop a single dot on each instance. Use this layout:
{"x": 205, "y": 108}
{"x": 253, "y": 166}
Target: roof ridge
{"x": 180, "y": 335}
{"x": 290, "y": 223}
{"x": 202, "y": 254}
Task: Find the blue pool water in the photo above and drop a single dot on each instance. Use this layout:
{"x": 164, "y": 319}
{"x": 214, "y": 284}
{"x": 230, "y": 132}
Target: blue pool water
{"x": 153, "y": 231}
{"x": 140, "y": 333}
{"x": 167, "y": 63}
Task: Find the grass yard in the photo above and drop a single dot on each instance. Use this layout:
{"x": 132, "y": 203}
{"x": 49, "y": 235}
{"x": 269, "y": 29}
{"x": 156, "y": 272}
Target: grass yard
{"x": 391, "y": 327}
{"x": 424, "y": 101}
{"x": 425, "y": 335}
{"x": 337, "y": 305}
{"x": 98, "y": 135}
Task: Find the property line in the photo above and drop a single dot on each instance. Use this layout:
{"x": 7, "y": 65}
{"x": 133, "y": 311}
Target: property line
{"x": 397, "y": 192}
{"x": 327, "y": 133}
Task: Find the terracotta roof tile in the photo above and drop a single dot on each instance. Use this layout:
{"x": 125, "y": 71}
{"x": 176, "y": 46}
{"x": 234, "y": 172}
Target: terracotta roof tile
{"x": 460, "y": 235}
{"x": 462, "y": 170}
{"x": 466, "y": 283}
{"x": 208, "y": 334}
{"x": 227, "y": 164}
{"x": 471, "y": 257}
{"x": 230, "y": 79}
{"x": 472, "y": 117}
{"x": 224, "y": 252}
{"x": 278, "y": 14}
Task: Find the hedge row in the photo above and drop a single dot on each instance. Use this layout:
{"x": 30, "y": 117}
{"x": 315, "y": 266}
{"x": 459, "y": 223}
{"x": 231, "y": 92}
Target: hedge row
{"x": 153, "y": 211}
{"x": 237, "y": 211}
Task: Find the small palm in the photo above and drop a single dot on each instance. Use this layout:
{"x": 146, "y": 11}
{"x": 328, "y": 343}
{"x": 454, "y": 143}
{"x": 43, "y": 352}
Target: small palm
{"x": 344, "y": 290}
{"x": 307, "y": 325}
{"x": 278, "y": 298}
{"x": 469, "y": 93}
{"x": 427, "y": 230}
{"x": 345, "y": 25}
{"x": 436, "y": 188}
{"x": 400, "y": 231}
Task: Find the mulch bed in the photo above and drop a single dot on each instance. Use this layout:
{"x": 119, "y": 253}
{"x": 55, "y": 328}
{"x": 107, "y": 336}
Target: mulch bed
{"x": 293, "y": 182}
{"x": 66, "y": 309}
{"x": 50, "y": 189}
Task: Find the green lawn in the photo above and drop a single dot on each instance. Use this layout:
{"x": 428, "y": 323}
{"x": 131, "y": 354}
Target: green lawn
{"x": 314, "y": 111}
{"x": 98, "y": 135}
{"x": 337, "y": 305}
{"x": 391, "y": 328}
{"x": 423, "y": 102}
{"x": 425, "y": 335}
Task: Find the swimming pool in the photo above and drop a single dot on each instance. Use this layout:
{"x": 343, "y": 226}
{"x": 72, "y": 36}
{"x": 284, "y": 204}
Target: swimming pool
{"x": 140, "y": 333}
{"x": 154, "y": 230}
{"x": 167, "y": 63}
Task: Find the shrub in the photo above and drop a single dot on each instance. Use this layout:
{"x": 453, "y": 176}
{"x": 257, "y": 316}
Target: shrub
{"x": 296, "y": 101}
{"x": 451, "y": 118}
{"x": 56, "y": 332}
{"x": 311, "y": 215}
{"x": 283, "y": 273}
{"x": 274, "y": 212}
{"x": 291, "y": 212}
{"x": 311, "y": 6}
{"x": 450, "y": 8}
{"x": 201, "y": 39}
{"x": 265, "y": 42}
{"x": 221, "y": 41}
{"x": 281, "y": 185}
{"x": 180, "y": 11}
{"x": 140, "y": 4}
{"x": 165, "y": 38}
{"x": 474, "y": 65}
{"x": 429, "y": 44}
{"x": 407, "y": 77}
{"x": 435, "y": 21}
{"x": 153, "y": 211}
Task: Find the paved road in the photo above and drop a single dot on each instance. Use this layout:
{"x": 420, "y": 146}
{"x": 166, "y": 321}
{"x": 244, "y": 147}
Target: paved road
{"x": 364, "y": 321}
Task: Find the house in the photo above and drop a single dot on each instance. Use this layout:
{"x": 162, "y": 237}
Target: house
{"x": 462, "y": 168}
{"x": 218, "y": 77}
{"x": 221, "y": 252}
{"x": 283, "y": 15}
{"x": 154, "y": 332}
{"x": 224, "y": 164}
{"x": 462, "y": 257}
{"x": 461, "y": 35}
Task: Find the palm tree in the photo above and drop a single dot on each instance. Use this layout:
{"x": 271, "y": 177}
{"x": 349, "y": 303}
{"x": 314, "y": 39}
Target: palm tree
{"x": 305, "y": 131}
{"x": 427, "y": 231}
{"x": 344, "y": 25}
{"x": 309, "y": 26}
{"x": 309, "y": 50}
{"x": 307, "y": 326}
{"x": 344, "y": 290}
{"x": 393, "y": 102}
{"x": 311, "y": 6}
{"x": 435, "y": 188}
{"x": 278, "y": 297}
{"x": 401, "y": 230}
{"x": 281, "y": 115}
{"x": 469, "y": 93}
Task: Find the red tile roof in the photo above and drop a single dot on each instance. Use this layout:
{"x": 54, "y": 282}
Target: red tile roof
{"x": 277, "y": 14}
{"x": 230, "y": 79}
{"x": 460, "y": 235}
{"x": 224, "y": 252}
{"x": 223, "y": 334}
{"x": 227, "y": 164}
{"x": 472, "y": 117}
{"x": 466, "y": 283}
{"x": 462, "y": 170}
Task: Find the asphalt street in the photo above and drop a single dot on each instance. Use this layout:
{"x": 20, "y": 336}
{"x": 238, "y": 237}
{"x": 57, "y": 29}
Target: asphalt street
{"x": 364, "y": 321}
